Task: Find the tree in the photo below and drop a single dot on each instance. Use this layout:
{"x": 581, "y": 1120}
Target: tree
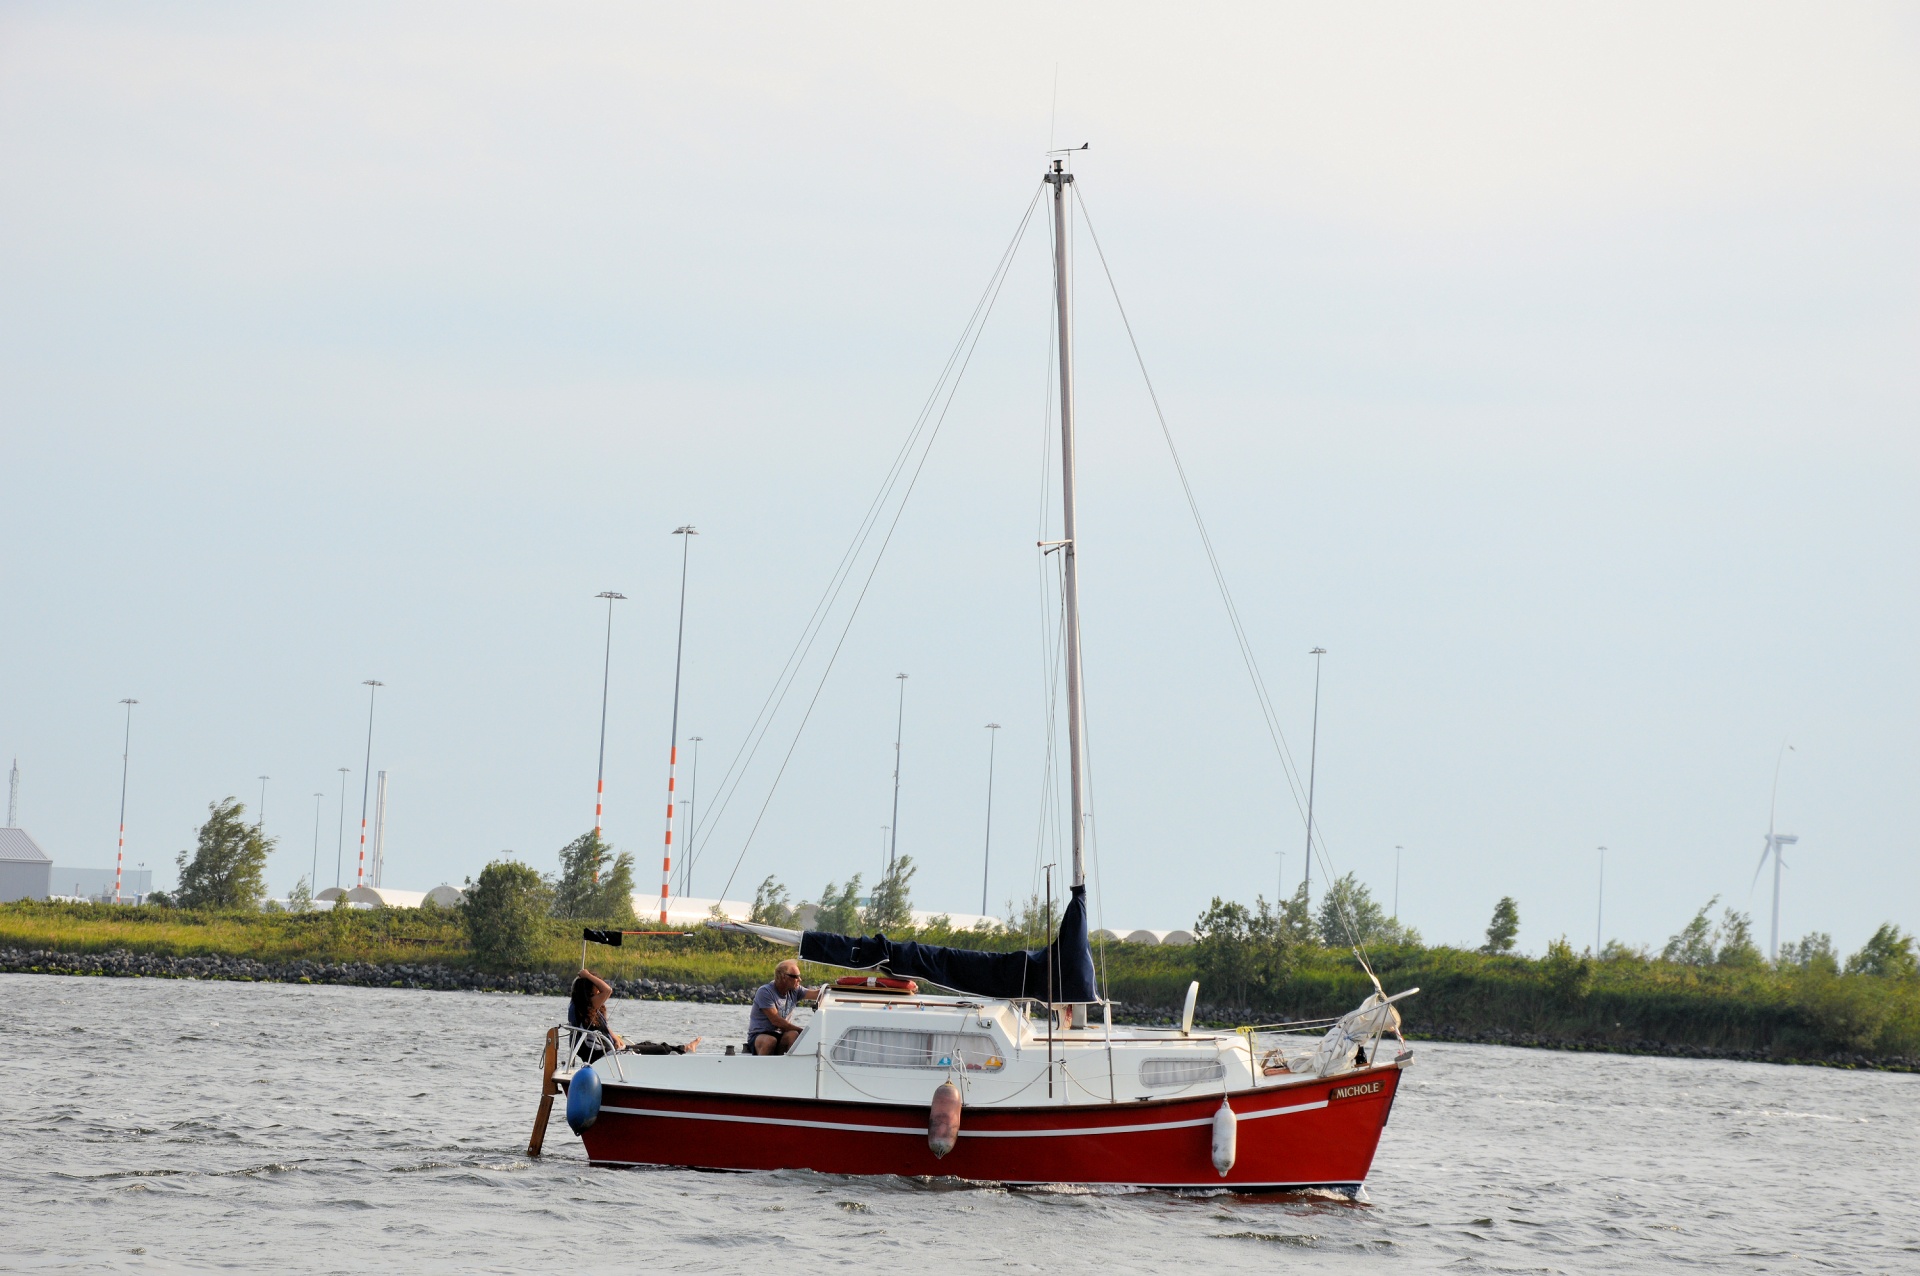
{"x": 505, "y": 912}
{"x": 1348, "y": 915}
{"x": 839, "y": 911}
{"x": 300, "y": 898}
{"x": 1815, "y": 952}
{"x": 891, "y": 906}
{"x": 1504, "y": 926}
{"x": 594, "y": 883}
{"x": 770, "y": 907}
{"x": 1031, "y": 920}
{"x": 228, "y": 868}
{"x": 1223, "y": 954}
{"x": 1693, "y": 946}
{"x": 1888, "y": 953}
{"x": 1733, "y": 941}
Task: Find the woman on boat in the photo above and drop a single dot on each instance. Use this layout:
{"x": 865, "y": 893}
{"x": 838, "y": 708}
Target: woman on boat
{"x": 587, "y": 1008}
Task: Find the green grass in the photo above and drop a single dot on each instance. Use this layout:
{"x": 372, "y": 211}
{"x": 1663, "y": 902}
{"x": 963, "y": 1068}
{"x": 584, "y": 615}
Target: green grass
{"x": 1620, "y": 1004}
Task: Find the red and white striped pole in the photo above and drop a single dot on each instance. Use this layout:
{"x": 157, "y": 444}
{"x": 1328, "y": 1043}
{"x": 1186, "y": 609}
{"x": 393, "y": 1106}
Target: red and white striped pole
{"x": 673, "y": 752}
{"x": 359, "y": 877}
{"x": 120, "y": 852}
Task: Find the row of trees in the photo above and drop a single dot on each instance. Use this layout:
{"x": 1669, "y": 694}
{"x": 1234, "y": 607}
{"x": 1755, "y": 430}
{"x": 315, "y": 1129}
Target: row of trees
{"x": 842, "y": 908}
{"x": 1246, "y": 954}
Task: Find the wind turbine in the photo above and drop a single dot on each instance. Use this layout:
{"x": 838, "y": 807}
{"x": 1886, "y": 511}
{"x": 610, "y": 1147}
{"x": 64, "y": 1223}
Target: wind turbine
{"x": 1774, "y": 842}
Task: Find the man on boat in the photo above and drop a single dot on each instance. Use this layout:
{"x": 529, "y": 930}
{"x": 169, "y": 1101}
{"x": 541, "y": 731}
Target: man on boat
{"x": 770, "y": 1026}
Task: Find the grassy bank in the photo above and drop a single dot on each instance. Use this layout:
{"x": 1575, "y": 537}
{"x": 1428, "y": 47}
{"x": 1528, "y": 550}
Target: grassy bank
{"x": 1625, "y": 1003}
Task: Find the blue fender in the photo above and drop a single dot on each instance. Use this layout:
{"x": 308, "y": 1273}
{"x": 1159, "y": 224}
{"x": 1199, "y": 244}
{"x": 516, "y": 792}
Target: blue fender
{"x": 583, "y": 1100}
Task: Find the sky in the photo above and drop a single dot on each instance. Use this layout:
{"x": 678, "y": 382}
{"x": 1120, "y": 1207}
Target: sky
{"x": 1552, "y": 368}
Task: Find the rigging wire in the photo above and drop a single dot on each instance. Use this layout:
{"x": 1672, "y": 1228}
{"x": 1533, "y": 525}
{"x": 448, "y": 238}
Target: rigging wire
{"x": 735, "y": 773}
{"x": 957, "y": 364}
{"x": 1264, "y": 699}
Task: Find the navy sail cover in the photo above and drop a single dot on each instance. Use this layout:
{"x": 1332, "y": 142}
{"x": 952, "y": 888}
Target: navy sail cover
{"x": 1061, "y": 973}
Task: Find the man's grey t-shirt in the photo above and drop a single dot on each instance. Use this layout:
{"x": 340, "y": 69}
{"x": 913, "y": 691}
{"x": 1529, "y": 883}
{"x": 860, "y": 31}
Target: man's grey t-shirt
{"x": 765, "y": 998}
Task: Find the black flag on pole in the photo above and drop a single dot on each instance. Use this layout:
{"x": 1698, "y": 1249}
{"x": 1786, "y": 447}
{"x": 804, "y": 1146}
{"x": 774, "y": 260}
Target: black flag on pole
{"x": 609, "y": 937}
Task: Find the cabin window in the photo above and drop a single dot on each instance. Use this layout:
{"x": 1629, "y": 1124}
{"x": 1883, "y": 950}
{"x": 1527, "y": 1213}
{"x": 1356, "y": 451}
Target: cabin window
{"x": 1187, "y": 1071}
{"x": 898, "y": 1048}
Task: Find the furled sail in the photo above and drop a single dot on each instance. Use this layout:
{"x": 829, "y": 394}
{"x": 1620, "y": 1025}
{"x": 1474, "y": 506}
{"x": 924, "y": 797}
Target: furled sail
{"x": 1061, "y": 973}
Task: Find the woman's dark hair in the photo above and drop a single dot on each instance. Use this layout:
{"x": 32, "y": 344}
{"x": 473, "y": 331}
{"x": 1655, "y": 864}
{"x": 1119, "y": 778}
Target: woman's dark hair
{"x": 582, "y": 998}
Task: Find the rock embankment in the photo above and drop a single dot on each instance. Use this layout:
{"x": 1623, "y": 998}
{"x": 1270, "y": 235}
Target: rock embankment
{"x": 120, "y": 963}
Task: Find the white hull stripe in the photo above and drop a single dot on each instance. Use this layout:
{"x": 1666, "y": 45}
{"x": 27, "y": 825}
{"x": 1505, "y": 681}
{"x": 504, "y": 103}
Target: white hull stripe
{"x": 964, "y": 1133}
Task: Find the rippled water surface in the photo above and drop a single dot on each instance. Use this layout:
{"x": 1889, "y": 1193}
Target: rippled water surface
{"x": 163, "y": 1125}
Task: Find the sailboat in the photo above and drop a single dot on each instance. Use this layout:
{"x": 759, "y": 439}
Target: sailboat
{"x": 1017, "y": 1073}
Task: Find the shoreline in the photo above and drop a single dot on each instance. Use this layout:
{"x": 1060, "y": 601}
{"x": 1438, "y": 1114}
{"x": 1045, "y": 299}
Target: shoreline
{"x": 432, "y": 977}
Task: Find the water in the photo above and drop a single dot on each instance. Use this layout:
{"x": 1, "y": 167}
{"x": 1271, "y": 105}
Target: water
{"x": 153, "y": 1125}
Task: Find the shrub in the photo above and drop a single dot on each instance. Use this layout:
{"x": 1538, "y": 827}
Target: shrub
{"x": 1569, "y": 977}
{"x": 504, "y": 914}
{"x": 1888, "y": 953}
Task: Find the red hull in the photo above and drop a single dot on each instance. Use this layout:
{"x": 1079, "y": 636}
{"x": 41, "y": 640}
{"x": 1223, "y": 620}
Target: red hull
{"x": 1321, "y": 1134}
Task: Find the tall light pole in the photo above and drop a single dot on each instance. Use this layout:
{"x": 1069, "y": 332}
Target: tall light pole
{"x": 372, "y": 685}
{"x": 126, "y": 749}
{"x": 319, "y": 799}
{"x": 1280, "y": 878}
{"x": 340, "y": 836}
{"x": 986, "y": 856}
{"x": 893, "y": 846}
{"x": 1396, "y": 881}
{"x": 1600, "y": 908}
{"x": 260, "y": 812}
{"x": 606, "y": 674}
{"x": 687, "y": 822}
{"x": 1313, "y": 763}
{"x": 686, "y": 533}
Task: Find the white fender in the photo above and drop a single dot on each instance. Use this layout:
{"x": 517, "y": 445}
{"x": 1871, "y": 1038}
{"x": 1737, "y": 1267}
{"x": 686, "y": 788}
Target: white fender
{"x": 943, "y": 1122}
{"x": 1226, "y": 1138}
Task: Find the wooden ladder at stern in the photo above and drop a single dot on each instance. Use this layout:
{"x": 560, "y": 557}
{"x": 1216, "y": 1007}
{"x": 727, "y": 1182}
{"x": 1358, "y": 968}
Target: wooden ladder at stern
{"x": 549, "y": 1090}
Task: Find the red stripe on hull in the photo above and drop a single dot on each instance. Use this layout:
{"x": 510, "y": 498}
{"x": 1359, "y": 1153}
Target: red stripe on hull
{"x": 1296, "y": 1136}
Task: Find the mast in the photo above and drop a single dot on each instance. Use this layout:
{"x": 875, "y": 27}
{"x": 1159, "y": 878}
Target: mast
{"x": 1059, "y": 179}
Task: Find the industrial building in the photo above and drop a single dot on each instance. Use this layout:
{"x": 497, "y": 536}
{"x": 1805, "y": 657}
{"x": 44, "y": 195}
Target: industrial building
{"x": 25, "y": 870}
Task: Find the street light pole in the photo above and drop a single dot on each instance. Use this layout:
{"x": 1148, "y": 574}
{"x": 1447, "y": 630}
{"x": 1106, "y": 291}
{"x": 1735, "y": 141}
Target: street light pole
{"x": 120, "y": 852}
{"x": 606, "y": 674}
{"x": 893, "y": 846}
{"x": 1396, "y": 882}
{"x": 1600, "y": 907}
{"x": 319, "y": 799}
{"x": 340, "y": 835}
{"x": 986, "y": 856}
{"x": 260, "y": 813}
{"x": 372, "y": 685}
{"x": 1313, "y": 763}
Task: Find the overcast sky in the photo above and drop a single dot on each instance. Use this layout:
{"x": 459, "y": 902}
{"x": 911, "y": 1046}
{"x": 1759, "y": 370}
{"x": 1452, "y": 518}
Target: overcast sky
{"x": 1554, "y": 369}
